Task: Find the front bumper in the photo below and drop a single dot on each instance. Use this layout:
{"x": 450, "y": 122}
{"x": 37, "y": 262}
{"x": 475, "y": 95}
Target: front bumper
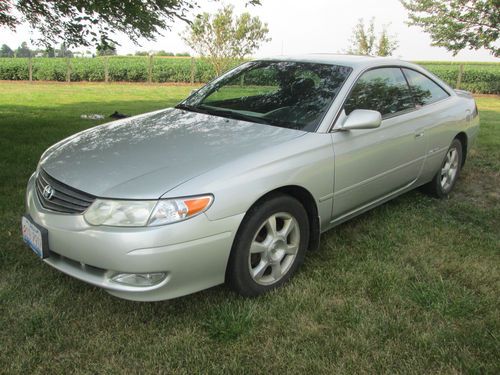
{"x": 193, "y": 253}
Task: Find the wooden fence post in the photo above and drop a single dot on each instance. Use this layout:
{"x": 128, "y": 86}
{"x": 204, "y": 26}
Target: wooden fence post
{"x": 193, "y": 70}
{"x": 460, "y": 74}
{"x": 30, "y": 69}
{"x": 106, "y": 69}
{"x": 68, "y": 69}
{"x": 150, "y": 69}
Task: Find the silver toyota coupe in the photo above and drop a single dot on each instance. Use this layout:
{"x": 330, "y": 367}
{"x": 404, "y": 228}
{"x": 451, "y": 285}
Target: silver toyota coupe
{"x": 236, "y": 183}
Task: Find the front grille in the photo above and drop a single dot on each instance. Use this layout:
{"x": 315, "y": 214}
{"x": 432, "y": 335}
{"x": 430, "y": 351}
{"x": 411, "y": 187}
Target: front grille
{"x": 64, "y": 198}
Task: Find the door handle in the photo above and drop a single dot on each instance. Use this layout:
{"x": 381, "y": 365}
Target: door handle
{"x": 418, "y": 135}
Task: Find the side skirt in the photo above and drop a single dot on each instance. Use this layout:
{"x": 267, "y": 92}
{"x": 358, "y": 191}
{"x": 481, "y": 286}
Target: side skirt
{"x": 373, "y": 204}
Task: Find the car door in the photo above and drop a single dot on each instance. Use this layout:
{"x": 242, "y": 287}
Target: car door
{"x": 434, "y": 112}
{"x": 372, "y": 164}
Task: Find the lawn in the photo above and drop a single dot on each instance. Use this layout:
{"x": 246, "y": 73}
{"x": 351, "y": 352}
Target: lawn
{"x": 411, "y": 287}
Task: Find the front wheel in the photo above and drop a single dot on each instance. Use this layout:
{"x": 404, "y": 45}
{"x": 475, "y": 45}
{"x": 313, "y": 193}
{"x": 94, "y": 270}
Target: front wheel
{"x": 269, "y": 247}
{"x": 446, "y": 178}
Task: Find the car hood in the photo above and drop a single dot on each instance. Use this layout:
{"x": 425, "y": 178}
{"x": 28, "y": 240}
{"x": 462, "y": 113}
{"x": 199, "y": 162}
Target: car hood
{"x": 144, "y": 157}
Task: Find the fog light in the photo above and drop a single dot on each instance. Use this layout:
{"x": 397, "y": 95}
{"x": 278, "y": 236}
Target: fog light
{"x": 139, "y": 279}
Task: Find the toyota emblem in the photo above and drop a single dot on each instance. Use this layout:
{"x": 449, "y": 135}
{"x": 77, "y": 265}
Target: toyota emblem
{"x": 48, "y": 192}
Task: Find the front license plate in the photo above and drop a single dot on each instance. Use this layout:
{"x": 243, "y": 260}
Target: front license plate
{"x": 36, "y": 237}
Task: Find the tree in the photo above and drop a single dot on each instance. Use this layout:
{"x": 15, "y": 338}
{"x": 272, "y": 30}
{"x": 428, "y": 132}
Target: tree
{"x": 6, "y": 51}
{"x": 88, "y": 22}
{"x": 164, "y": 53}
{"x": 364, "y": 40}
{"x": 6, "y": 16}
{"x": 104, "y": 49}
{"x": 63, "y": 51}
{"x": 51, "y": 52}
{"x": 386, "y": 44}
{"x": 223, "y": 37}
{"x": 458, "y": 24}
{"x": 23, "y": 50}
{"x": 39, "y": 52}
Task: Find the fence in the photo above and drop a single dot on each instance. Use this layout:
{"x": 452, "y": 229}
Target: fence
{"x": 108, "y": 69}
{"x": 475, "y": 77}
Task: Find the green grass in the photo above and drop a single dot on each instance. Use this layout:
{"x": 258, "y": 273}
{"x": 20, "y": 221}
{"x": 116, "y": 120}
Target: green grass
{"x": 410, "y": 287}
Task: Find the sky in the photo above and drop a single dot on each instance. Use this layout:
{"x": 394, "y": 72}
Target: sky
{"x": 304, "y": 26}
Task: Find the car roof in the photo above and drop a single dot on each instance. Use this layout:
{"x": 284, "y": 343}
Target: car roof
{"x": 358, "y": 63}
{"x": 354, "y": 61}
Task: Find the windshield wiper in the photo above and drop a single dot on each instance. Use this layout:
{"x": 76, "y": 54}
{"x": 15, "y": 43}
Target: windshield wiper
{"x": 244, "y": 117}
{"x": 232, "y": 114}
{"x": 191, "y": 108}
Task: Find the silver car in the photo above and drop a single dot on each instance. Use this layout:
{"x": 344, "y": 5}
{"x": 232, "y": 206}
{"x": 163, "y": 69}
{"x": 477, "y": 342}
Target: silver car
{"x": 238, "y": 181}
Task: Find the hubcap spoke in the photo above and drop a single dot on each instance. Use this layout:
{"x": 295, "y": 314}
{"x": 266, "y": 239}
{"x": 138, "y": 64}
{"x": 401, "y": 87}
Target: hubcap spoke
{"x": 287, "y": 228}
{"x": 453, "y": 156}
{"x": 271, "y": 226}
{"x": 258, "y": 247}
{"x": 453, "y": 173}
{"x": 276, "y": 271}
{"x": 292, "y": 249}
{"x": 258, "y": 271}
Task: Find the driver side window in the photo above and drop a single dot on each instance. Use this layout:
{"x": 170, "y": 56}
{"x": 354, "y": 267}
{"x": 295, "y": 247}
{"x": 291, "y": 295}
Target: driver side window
{"x": 384, "y": 90}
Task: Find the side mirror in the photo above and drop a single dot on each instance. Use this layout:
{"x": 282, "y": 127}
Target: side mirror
{"x": 362, "y": 119}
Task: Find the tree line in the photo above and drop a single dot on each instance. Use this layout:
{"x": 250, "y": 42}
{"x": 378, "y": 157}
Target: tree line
{"x": 24, "y": 50}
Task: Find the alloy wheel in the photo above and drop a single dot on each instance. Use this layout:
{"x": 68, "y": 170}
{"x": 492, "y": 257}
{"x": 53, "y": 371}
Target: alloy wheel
{"x": 274, "y": 248}
{"x": 450, "y": 169}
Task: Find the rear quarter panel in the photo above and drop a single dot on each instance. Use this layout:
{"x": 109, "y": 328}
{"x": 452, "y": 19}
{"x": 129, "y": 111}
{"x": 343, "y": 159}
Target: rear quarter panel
{"x": 446, "y": 120}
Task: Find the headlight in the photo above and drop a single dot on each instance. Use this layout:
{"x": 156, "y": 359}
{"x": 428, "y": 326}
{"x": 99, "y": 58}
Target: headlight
{"x": 145, "y": 213}
{"x": 169, "y": 211}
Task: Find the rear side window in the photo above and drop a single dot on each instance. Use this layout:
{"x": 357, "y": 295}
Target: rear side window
{"x": 424, "y": 90}
{"x": 384, "y": 90}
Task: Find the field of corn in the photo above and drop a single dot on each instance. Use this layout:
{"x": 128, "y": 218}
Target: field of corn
{"x": 483, "y": 78}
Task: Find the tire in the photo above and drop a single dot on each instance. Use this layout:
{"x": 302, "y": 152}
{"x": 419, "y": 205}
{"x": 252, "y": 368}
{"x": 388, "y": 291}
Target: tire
{"x": 262, "y": 259}
{"x": 446, "y": 177}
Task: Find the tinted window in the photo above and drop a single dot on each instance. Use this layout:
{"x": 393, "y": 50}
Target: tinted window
{"x": 384, "y": 90}
{"x": 424, "y": 90}
{"x": 283, "y": 93}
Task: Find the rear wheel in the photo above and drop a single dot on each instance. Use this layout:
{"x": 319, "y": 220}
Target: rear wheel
{"x": 269, "y": 247}
{"x": 446, "y": 178}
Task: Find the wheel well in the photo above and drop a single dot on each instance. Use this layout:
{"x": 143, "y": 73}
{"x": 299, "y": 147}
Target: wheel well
{"x": 462, "y": 137}
{"x": 307, "y": 200}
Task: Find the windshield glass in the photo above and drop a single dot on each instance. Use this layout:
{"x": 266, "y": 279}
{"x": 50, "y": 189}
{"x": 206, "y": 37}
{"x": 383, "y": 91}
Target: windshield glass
{"x": 295, "y": 95}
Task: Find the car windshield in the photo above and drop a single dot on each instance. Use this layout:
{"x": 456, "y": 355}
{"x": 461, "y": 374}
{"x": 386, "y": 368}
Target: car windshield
{"x": 294, "y": 95}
